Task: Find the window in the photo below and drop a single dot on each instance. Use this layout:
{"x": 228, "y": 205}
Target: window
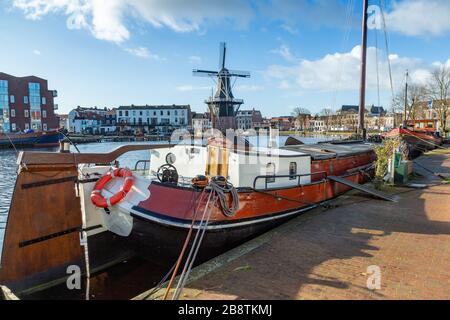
{"x": 25, "y": 99}
{"x": 34, "y": 98}
{"x": 270, "y": 171}
{"x": 154, "y": 113}
{"x": 44, "y": 114}
{"x": 13, "y": 113}
{"x": 27, "y": 126}
{"x": 293, "y": 170}
{"x": 120, "y": 113}
{"x": 3, "y": 86}
{"x": 44, "y": 126}
{"x": 168, "y": 113}
{"x": 26, "y": 113}
{"x": 13, "y": 126}
{"x": 126, "y": 113}
{"x": 12, "y": 99}
{"x": 176, "y": 112}
{"x": 44, "y": 100}
{"x": 162, "y": 112}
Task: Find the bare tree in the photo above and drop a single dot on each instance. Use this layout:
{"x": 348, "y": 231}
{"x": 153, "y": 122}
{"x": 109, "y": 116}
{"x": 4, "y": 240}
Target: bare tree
{"x": 415, "y": 108}
{"x": 327, "y": 115}
{"x": 439, "y": 92}
{"x": 301, "y": 115}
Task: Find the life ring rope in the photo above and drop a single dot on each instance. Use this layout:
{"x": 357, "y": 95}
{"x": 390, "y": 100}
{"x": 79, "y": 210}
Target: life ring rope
{"x": 96, "y": 197}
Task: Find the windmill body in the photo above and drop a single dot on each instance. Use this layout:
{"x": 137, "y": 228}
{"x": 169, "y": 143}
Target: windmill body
{"x": 222, "y": 105}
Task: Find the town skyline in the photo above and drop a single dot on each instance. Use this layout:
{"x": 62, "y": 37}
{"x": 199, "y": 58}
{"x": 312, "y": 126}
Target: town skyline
{"x": 110, "y": 55}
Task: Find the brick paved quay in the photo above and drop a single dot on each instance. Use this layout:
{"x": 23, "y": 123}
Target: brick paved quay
{"x": 324, "y": 254}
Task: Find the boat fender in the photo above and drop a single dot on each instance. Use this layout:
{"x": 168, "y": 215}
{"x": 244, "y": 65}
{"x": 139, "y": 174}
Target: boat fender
{"x": 101, "y": 202}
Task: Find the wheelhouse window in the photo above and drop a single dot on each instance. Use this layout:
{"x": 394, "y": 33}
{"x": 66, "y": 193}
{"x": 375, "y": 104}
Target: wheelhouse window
{"x": 292, "y": 170}
{"x": 270, "y": 172}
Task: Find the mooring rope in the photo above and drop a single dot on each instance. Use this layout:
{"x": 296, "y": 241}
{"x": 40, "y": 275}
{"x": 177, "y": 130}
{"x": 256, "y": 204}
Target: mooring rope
{"x": 195, "y": 247}
{"x": 220, "y": 186}
{"x": 186, "y": 242}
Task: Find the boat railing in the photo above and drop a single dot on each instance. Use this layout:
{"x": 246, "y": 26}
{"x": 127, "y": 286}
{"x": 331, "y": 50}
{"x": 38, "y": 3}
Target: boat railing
{"x": 145, "y": 162}
{"x": 284, "y": 176}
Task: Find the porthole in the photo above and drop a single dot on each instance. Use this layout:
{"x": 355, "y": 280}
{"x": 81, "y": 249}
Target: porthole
{"x": 170, "y": 158}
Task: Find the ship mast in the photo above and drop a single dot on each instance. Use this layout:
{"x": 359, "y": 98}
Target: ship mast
{"x": 406, "y": 99}
{"x": 362, "y": 90}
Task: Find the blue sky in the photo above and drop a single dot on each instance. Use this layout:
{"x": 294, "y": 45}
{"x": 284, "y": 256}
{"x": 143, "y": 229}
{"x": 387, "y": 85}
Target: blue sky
{"x": 118, "y": 52}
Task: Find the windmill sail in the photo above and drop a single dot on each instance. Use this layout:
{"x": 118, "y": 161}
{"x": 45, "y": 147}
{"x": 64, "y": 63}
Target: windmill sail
{"x": 222, "y": 104}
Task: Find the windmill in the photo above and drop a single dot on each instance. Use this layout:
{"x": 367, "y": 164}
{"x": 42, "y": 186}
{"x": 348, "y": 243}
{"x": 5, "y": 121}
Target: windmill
{"x": 222, "y": 105}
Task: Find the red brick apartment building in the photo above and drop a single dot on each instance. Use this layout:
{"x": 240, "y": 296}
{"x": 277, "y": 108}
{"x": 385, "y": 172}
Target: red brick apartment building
{"x": 26, "y": 103}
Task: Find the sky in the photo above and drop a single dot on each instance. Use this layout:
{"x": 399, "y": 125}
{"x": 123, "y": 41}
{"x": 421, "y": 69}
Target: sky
{"x": 300, "y": 53}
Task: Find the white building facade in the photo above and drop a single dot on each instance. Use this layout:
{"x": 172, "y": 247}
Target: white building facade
{"x": 160, "y": 119}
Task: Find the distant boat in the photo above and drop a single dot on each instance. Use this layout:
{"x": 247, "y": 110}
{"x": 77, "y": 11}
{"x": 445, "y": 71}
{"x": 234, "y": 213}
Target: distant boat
{"x": 418, "y": 141}
{"x": 31, "y": 139}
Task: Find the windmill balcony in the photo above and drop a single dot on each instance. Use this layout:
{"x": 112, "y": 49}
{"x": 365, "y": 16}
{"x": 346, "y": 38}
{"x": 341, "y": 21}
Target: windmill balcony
{"x": 237, "y": 101}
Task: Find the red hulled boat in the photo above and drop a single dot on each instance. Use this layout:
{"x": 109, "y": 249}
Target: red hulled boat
{"x": 418, "y": 141}
{"x": 271, "y": 186}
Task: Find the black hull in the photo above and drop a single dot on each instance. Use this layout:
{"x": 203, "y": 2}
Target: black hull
{"x": 152, "y": 240}
{"x": 417, "y": 146}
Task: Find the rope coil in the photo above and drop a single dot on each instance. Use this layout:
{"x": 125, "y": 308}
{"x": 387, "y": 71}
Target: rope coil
{"x": 220, "y": 186}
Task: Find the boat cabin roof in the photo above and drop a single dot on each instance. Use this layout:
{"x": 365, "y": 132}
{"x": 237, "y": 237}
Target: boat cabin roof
{"x": 322, "y": 151}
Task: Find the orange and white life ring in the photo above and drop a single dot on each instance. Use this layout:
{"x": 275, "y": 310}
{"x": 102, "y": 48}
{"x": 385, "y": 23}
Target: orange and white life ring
{"x": 96, "y": 197}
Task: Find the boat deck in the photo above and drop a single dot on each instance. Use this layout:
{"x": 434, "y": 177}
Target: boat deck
{"x": 322, "y": 151}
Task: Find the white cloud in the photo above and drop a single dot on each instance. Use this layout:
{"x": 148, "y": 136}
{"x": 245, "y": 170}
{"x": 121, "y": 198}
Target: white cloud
{"x": 341, "y": 71}
{"x": 143, "y": 52}
{"x": 285, "y": 53}
{"x": 419, "y": 17}
{"x": 36, "y": 52}
{"x": 106, "y": 19}
{"x": 195, "y": 60}
{"x": 185, "y": 88}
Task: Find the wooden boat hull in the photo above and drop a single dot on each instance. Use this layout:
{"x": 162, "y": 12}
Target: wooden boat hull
{"x": 159, "y": 231}
{"x": 417, "y": 141}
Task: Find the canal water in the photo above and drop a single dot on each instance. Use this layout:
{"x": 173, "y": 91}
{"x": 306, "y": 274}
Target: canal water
{"x": 120, "y": 282}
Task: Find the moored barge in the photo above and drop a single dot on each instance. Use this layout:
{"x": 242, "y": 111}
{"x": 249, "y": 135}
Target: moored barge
{"x": 243, "y": 190}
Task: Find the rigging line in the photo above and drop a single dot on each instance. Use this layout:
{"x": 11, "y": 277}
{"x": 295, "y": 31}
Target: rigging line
{"x": 347, "y": 31}
{"x": 386, "y": 39}
{"x": 377, "y": 66}
{"x": 70, "y": 141}
{"x": 12, "y": 143}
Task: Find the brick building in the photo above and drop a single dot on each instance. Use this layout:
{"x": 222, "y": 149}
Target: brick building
{"x": 26, "y": 103}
